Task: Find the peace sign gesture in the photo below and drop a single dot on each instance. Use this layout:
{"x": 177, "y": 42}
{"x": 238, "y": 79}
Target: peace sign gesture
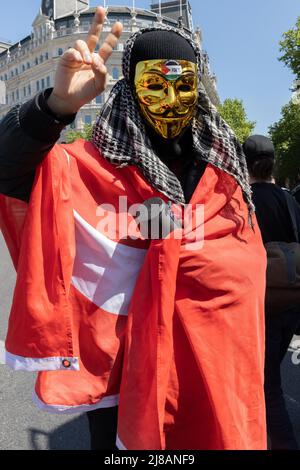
{"x": 81, "y": 74}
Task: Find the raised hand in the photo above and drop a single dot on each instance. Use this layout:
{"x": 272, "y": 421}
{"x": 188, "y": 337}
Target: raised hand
{"x": 81, "y": 74}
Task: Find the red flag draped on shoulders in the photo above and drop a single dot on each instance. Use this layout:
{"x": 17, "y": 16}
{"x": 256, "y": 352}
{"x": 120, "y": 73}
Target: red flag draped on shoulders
{"x": 171, "y": 330}
{"x": 12, "y": 216}
{"x": 194, "y": 361}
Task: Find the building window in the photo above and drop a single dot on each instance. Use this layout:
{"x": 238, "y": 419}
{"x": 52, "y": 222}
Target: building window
{"x": 37, "y": 86}
{"x": 16, "y": 71}
{"x": 60, "y": 51}
{"x": 28, "y": 65}
{"x": 11, "y": 73}
{"x": 23, "y": 68}
{"x": 17, "y": 95}
{"x": 85, "y": 25}
{"x": 24, "y": 91}
{"x": 115, "y": 73}
{"x": 73, "y": 125}
{"x": 99, "y": 99}
{"x": 36, "y": 61}
{"x": 43, "y": 83}
{"x": 13, "y": 96}
{"x": 87, "y": 119}
{"x": 5, "y": 76}
{"x": 46, "y": 56}
{"x": 41, "y": 59}
{"x": 29, "y": 90}
{"x": 48, "y": 82}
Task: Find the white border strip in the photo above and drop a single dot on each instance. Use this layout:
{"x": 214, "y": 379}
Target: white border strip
{"x": 32, "y": 364}
{"x": 2, "y": 352}
{"x": 120, "y": 444}
{"x": 106, "y": 402}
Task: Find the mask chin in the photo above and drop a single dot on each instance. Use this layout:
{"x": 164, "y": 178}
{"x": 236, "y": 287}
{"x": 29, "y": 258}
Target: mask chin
{"x": 170, "y": 131}
{"x": 166, "y": 130}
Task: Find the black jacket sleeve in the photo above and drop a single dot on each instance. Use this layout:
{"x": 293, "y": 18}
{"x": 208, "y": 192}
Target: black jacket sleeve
{"x": 27, "y": 134}
{"x": 297, "y": 213}
{"x": 296, "y": 193}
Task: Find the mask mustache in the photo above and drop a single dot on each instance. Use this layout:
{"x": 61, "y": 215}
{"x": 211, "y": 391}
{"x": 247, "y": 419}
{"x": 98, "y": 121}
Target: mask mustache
{"x": 170, "y": 113}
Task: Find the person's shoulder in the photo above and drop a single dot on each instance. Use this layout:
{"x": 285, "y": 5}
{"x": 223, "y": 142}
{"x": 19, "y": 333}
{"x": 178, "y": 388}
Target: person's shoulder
{"x": 292, "y": 202}
{"x": 267, "y": 191}
{"x": 86, "y": 154}
{"x": 265, "y": 186}
{"x": 80, "y": 148}
{"x": 295, "y": 191}
{"x": 285, "y": 194}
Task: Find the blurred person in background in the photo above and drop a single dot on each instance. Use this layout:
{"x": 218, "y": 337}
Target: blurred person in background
{"x": 274, "y": 206}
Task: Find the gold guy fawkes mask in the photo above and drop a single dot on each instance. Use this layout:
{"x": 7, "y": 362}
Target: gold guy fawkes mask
{"x": 167, "y": 92}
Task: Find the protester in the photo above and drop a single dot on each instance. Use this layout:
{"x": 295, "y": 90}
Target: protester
{"x": 169, "y": 329}
{"x": 274, "y": 219}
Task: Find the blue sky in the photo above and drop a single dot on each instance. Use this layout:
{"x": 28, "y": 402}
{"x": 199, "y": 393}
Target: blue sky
{"x": 240, "y": 36}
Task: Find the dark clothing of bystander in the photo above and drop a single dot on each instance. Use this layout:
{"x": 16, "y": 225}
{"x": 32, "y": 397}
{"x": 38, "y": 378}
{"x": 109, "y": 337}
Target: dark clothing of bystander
{"x": 275, "y": 225}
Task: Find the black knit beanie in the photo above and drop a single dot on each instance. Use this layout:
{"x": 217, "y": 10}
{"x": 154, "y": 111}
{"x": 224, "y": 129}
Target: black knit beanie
{"x": 160, "y": 44}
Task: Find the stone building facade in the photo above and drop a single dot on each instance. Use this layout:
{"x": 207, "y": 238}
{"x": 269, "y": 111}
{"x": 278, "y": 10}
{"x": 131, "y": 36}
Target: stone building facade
{"x": 29, "y": 66}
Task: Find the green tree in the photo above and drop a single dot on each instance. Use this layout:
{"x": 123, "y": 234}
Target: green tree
{"x": 285, "y": 135}
{"x": 290, "y": 49}
{"x": 85, "y": 133}
{"x": 233, "y": 111}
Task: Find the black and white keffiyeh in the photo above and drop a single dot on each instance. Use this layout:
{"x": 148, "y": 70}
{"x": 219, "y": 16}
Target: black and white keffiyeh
{"x": 120, "y": 134}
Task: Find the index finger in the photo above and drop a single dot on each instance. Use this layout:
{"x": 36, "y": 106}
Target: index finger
{"x": 96, "y": 28}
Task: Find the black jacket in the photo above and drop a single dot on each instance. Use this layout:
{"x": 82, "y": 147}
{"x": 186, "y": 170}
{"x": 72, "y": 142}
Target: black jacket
{"x": 296, "y": 193}
{"x": 27, "y": 134}
{"x": 272, "y": 213}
